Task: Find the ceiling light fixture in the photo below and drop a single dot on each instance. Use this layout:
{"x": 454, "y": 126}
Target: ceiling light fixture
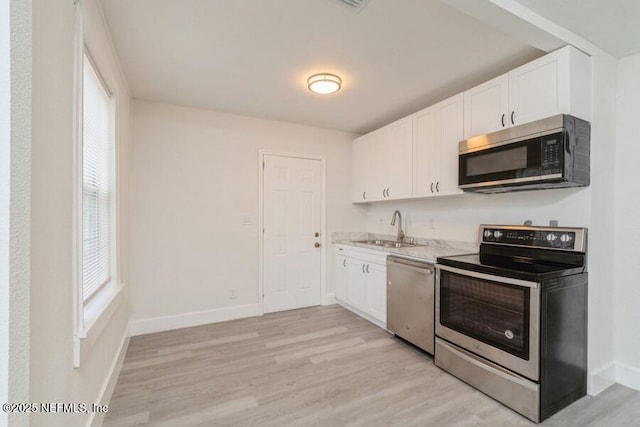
{"x": 324, "y": 83}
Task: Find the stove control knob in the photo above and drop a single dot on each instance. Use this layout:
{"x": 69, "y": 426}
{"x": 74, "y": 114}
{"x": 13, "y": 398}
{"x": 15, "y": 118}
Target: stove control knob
{"x": 551, "y": 237}
{"x": 497, "y": 234}
{"x": 565, "y": 238}
{"x": 488, "y": 233}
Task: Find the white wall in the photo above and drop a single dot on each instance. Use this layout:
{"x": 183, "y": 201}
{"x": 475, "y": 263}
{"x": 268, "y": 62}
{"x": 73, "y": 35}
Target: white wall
{"x": 53, "y": 378}
{"x": 15, "y": 167}
{"x": 602, "y": 209}
{"x": 458, "y": 217}
{"x": 194, "y": 174}
{"x": 5, "y": 190}
{"x": 627, "y": 224}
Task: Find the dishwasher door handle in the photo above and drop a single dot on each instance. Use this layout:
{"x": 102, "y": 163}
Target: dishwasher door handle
{"x": 423, "y": 268}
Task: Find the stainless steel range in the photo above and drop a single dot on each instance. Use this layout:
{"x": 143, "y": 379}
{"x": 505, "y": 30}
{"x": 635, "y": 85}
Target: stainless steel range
{"x": 512, "y": 320}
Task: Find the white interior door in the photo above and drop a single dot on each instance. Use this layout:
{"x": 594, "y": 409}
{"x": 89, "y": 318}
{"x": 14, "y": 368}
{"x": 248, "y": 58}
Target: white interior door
{"x": 292, "y": 220}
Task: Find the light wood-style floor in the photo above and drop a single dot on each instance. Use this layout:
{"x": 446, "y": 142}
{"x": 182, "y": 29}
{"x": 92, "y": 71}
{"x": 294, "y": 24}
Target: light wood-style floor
{"x": 320, "y": 366}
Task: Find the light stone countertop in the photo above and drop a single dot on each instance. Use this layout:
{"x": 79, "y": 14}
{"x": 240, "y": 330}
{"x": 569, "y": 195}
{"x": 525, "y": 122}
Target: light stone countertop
{"x": 429, "y": 250}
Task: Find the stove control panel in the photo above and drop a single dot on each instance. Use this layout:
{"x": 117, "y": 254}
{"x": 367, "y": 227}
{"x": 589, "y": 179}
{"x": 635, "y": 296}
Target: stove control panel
{"x": 568, "y": 239}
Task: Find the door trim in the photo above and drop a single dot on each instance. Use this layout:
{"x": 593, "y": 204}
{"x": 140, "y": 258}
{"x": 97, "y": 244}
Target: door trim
{"x": 324, "y": 297}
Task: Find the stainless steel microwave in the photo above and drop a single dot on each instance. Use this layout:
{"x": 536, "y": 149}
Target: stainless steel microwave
{"x": 548, "y": 153}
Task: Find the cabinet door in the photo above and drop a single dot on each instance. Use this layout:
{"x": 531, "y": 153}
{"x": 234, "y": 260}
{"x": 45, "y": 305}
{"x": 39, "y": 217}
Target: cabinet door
{"x": 398, "y": 157}
{"x": 449, "y": 134}
{"x": 371, "y": 166}
{"x": 356, "y": 284}
{"x": 360, "y": 152}
{"x": 377, "y": 291}
{"x": 486, "y": 107}
{"x": 340, "y": 277}
{"x": 424, "y": 125}
{"x": 536, "y": 90}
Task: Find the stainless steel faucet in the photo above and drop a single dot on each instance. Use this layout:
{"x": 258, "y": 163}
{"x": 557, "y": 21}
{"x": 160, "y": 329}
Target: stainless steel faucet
{"x": 393, "y": 222}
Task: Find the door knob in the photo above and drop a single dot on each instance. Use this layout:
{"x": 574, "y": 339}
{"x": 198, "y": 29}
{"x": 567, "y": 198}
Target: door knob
{"x": 317, "y": 234}
{"x": 317, "y": 245}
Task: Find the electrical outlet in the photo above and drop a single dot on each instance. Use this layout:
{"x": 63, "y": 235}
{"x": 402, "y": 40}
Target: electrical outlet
{"x": 233, "y": 293}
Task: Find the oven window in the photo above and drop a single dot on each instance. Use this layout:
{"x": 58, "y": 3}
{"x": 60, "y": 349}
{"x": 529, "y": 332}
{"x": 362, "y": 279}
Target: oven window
{"x": 492, "y": 312}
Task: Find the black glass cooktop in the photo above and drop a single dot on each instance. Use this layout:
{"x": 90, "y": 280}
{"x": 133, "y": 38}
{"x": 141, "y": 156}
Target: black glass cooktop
{"x": 519, "y": 263}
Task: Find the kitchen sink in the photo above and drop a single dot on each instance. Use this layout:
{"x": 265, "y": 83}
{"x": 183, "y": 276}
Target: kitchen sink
{"x": 387, "y": 243}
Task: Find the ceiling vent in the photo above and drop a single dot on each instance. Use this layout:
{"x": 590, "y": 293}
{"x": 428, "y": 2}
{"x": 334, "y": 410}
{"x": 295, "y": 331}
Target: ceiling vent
{"x": 355, "y": 5}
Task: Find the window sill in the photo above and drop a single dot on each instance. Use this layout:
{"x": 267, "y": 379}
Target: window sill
{"x": 97, "y": 314}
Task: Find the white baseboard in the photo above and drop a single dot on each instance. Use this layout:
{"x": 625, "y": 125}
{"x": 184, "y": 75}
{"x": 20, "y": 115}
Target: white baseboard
{"x": 106, "y": 391}
{"x": 628, "y": 376}
{"x": 362, "y": 314}
{"x": 329, "y": 299}
{"x": 613, "y": 372}
{"x": 600, "y": 379}
{"x": 178, "y": 321}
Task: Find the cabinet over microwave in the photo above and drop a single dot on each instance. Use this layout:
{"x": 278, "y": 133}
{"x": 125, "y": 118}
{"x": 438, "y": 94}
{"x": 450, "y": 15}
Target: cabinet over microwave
{"x": 548, "y": 153}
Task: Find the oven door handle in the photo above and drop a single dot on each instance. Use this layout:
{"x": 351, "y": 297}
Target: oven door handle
{"x": 490, "y": 277}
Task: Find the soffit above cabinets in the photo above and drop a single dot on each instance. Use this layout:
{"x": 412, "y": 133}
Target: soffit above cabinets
{"x": 610, "y": 25}
{"x": 253, "y": 57}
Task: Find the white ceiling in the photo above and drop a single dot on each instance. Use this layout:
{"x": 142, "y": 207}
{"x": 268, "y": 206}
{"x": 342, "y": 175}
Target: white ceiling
{"x": 252, "y": 57}
{"x": 612, "y": 25}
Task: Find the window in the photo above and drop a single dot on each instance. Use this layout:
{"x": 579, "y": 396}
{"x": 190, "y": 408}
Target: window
{"x": 97, "y": 182}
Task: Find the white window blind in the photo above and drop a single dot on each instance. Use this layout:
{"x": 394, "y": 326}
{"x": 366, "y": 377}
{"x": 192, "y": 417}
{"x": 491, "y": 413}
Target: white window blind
{"x": 97, "y": 185}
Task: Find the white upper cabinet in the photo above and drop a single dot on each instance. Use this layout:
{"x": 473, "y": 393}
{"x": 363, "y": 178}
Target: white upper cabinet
{"x": 557, "y": 83}
{"x": 486, "y": 107}
{"x": 366, "y": 156}
{"x": 425, "y": 152}
{"x": 437, "y": 132}
{"x": 382, "y": 163}
{"x": 450, "y": 133}
{"x": 398, "y": 155}
{"x": 534, "y": 90}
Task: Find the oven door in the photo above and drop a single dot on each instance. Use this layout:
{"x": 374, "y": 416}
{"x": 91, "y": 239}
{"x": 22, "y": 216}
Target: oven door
{"x": 494, "y": 317}
{"x": 512, "y": 163}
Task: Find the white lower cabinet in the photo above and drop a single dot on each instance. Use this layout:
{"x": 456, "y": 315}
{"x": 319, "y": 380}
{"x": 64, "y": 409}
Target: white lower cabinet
{"x": 376, "y": 278}
{"x": 340, "y": 277}
{"x": 361, "y": 282}
{"x": 356, "y": 283}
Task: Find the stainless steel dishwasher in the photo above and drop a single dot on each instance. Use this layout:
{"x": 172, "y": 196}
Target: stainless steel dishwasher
{"x": 410, "y": 301}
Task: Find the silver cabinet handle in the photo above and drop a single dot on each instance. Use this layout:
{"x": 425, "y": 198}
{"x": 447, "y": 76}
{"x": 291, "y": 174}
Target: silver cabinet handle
{"x": 432, "y": 187}
{"x": 437, "y": 186}
{"x": 363, "y": 268}
{"x": 367, "y": 268}
{"x": 344, "y": 262}
{"x": 512, "y": 121}
{"x": 316, "y": 244}
{"x": 364, "y": 195}
{"x": 502, "y": 120}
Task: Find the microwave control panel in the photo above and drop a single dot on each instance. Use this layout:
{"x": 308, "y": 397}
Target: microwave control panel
{"x": 551, "y": 153}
